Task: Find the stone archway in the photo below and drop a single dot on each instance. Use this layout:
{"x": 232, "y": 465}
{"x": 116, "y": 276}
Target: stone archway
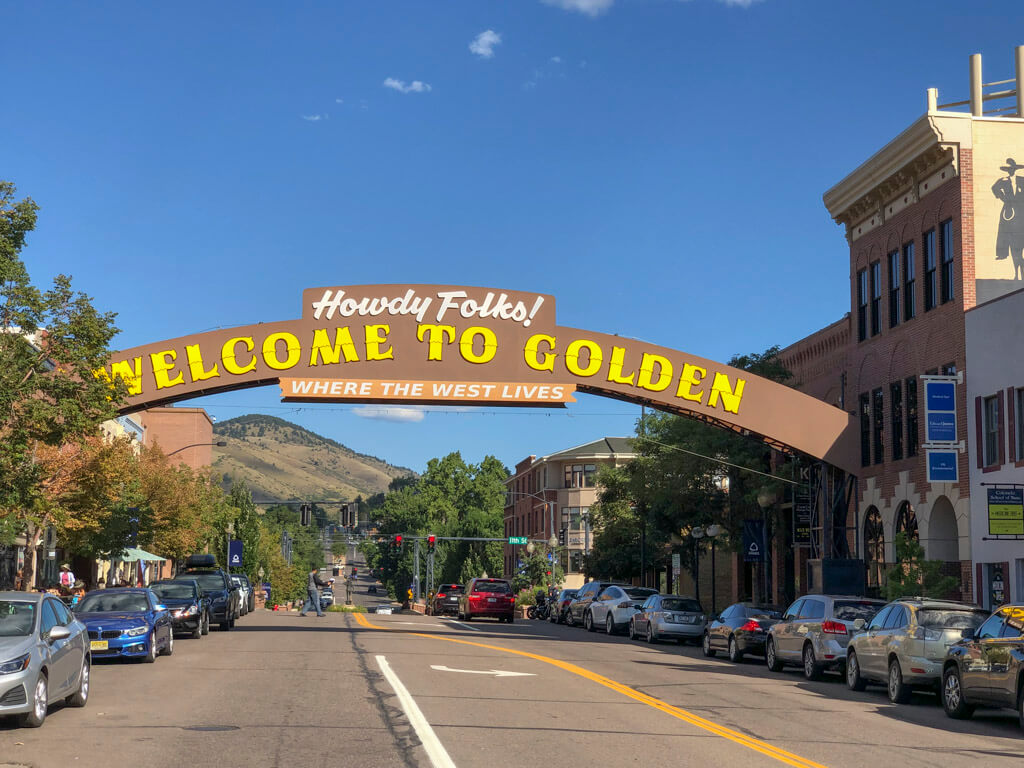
{"x": 874, "y": 549}
{"x": 906, "y": 522}
{"x": 943, "y": 540}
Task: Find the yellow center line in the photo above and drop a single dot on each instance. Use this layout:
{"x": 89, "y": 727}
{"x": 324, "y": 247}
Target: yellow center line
{"x": 696, "y": 720}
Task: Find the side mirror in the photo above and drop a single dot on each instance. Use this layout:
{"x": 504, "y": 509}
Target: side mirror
{"x": 58, "y": 633}
{"x": 968, "y": 634}
{"x": 161, "y": 607}
{"x": 859, "y": 624}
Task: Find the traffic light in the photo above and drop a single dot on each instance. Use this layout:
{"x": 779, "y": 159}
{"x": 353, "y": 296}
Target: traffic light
{"x": 305, "y": 514}
{"x": 561, "y": 537}
{"x": 398, "y": 542}
{"x": 431, "y": 542}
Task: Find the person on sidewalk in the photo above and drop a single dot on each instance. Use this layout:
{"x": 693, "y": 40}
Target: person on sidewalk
{"x": 312, "y": 589}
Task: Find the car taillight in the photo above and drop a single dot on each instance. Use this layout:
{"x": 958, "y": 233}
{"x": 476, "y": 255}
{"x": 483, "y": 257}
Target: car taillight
{"x": 751, "y": 626}
{"x": 513, "y": 598}
{"x": 833, "y": 627}
{"x": 440, "y": 594}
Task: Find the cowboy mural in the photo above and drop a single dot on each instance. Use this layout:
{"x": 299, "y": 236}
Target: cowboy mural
{"x": 1010, "y": 238}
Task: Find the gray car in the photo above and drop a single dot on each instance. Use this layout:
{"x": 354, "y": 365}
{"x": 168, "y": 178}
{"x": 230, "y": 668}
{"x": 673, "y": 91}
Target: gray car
{"x": 814, "y": 632}
{"x": 905, "y": 644}
{"x": 668, "y": 617}
{"x": 44, "y": 656}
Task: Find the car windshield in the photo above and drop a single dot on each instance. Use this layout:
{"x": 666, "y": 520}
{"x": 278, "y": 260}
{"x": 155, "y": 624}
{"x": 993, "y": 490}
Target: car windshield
{"x": 17, "y": 617}
{"x": 568, "y": 594}
{"x": 492, "y": 586}
{"x": 452, "y": 589}
{"x": 950, "y": 618}
{"x": 851, "y": 610}
{"x": 680, "y": 604}
{"x": 640, "y": 593}
{"x": 119, "y": 601}
{"x": 174, "y": 591}
{"x": 763, "y": 612}
{"x": 208, "y": 581}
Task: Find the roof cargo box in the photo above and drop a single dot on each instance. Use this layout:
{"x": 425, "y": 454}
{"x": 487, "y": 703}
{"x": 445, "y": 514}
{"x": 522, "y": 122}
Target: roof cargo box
{"x": 201, "y": 561}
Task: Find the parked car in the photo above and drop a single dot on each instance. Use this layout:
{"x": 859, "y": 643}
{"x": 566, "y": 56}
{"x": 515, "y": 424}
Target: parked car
{"x": 446, "y": 601}
{"x": 44, "y": 656}
{"x": 668, "y": 617}
{"x": 614, "y": 607}
{"x": 224, "y": 596}
{"x": 905, "y": 644}
{"x": 243, "y": 593}
{"x": 129, "y": 623}
{"x": 560, "y": 605}
{"x": 814, "y": 631}
{"x": 584, "y": 597}
{"x": 189, "y": 607}
{"x": 487, "y": 597}
{"x": 740, "y": 629}
{"x": 986, "y": 668}
{"x": 250, "y": 592}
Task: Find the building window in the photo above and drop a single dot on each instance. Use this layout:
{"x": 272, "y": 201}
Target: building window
{"x": 896, "y": 405}
{"x": 580, "y": 475}
{"x": 946, "y": 230}
{"x": 1018, "y": 429}
{"x": 589, "y": 475}
{"x": 862, "y": 305}
{"x": 865, "y": 430}
{"x": 906, "y": 521}
{"x": 929, "y": 270}
{"x": 911, "y": 411}
{"x": 909, "y": 287}
{"x": 949, "y": 369}
{"x": 894, "y": 289}
{"x": 878, "y": 417}
{"x": 990, "y": 430}
{"x": 874, "y": 548}
{"x": 876, "y": 298}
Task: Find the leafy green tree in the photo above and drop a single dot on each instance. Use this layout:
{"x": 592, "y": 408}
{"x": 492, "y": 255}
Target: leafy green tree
{"x": 51, "y": 344}
{"x": 538, "y": 573}
{"x": 912, "y": 575}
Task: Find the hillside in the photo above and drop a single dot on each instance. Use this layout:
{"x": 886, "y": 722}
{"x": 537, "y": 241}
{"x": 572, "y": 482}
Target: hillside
{"x": 281, "y": 460}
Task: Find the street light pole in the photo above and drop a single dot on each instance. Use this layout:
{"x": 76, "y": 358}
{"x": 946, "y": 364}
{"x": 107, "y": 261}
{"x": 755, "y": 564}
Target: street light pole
{"x": 713, "y": 531}
{"x": 697, "y": 534}
{"x": 219, "y": 444}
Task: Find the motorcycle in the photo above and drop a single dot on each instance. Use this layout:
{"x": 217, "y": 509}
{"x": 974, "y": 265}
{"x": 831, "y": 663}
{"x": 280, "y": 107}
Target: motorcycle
{"x": 539, "y": 610}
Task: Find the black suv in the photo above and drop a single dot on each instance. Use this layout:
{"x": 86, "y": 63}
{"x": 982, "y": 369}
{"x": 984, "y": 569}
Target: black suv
{"x": 216, "y": 585}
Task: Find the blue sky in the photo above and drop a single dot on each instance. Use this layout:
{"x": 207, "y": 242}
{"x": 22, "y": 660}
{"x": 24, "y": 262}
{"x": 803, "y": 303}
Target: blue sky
{"x": 657, "y": 165}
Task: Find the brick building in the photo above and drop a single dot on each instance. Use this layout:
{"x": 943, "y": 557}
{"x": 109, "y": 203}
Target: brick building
{"x": 187, "y": 433}
{"x": 928, "y": 231}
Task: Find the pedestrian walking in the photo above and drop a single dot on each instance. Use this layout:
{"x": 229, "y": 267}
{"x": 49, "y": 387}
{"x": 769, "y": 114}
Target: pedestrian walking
{"x": 313, "y": 592}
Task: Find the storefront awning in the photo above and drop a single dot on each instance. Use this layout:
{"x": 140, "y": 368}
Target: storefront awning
{"x": 134, "y": 554}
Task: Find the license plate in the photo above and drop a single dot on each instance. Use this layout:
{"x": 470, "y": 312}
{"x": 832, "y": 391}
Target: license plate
{"x": 98, "y": 645}
{"x": 492, "y": 599}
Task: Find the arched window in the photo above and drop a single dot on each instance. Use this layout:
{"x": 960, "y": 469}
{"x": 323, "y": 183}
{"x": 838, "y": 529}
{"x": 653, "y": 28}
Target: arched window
{"x": 874, "y": 548}
{"x": 906, "y": 521}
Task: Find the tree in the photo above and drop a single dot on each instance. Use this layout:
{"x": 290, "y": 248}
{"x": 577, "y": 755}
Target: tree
{"x": 912, "y": 575}
{"x": 51, "y": 344}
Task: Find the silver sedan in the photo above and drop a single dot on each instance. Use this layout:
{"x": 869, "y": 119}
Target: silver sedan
{"x": 668, "y": 617}
{"x": 44, "y": 656}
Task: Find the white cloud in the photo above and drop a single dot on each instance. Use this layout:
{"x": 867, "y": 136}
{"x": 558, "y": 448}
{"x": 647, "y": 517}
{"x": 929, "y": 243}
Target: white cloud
{"x": 390, "y": 413}
{"x": 740, "y": 3}
{"x": 588, "y": 7}
{"x": 312, "y": 118}
{"x": 483, "y": 44}
{"x": 556, "y": 59}
{"x": 339, "y": 101}
{"x": 416, "y": 86}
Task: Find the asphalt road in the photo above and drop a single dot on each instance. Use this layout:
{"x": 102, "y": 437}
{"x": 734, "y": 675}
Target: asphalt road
{"x": 403, "y": 689}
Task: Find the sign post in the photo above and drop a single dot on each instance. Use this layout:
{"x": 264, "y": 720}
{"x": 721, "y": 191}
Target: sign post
{"x": 941, "y": 445}
{"x": 517, "y": 539}
{"x": 1006, "y": 511}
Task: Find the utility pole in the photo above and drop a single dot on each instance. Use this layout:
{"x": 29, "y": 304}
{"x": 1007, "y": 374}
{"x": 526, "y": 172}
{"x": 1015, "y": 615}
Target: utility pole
{"x": 416, "y": 571}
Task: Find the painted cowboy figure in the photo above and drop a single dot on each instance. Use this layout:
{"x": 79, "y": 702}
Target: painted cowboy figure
{"x": 1010, "y": 237}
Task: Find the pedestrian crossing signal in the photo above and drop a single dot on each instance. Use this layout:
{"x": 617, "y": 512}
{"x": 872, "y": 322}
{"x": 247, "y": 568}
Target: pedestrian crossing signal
{"x": 431, "y": 542}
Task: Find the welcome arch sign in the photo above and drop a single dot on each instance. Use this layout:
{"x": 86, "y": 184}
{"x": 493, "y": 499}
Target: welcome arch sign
{"x": 457, "y": 345}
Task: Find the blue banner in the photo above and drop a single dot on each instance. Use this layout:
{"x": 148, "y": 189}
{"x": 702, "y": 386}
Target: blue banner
{"x": 942, "y": 466}
{"x": 234, "y": 553}
{"x": 753, "y": 541}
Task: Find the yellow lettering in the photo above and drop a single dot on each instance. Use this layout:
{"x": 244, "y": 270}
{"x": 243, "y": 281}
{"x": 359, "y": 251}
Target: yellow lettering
{"x": 647, "y": 370}
{"x": 437, "y": 335}
{"x": 533, "y": 355}
{"x": 615, "y": 367}
{"x": 329, "y": 353}
{"x": 162, "y": 363}
{"x": 467, "y": 340}
{"x": 688, "y": 379}
{"x": 195, "y": 364}
{"x": 730, "y": 397}
{"x": 376, "y": 335}
{"x": 130, "y": 373}
{"x": 227, "y": 355}
{"x": 572, "y": 357}
{"x": 270, "y": 351}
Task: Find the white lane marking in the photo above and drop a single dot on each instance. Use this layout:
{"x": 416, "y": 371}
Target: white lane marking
{"x": 418, "y": 623}
{"x": 463, "y": 625}
{"x": 439, "y": 757}
{"x": 495, "y": 672}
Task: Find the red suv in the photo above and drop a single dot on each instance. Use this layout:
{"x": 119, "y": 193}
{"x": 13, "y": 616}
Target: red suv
{"x": 488, "y": 597}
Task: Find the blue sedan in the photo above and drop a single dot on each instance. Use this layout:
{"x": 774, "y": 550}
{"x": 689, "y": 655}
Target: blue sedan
{"x": 126, "y": 623}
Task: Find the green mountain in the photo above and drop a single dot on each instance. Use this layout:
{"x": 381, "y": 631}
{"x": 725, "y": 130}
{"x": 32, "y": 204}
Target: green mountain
{"x": 281, "y": 460}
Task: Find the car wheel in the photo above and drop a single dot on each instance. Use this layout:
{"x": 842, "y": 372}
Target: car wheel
{"x": 511, "y": 619}
{"x": 568, "y": 618}
{"x": 609, "y": 625}
{"x": 735, "y": 654}
{"x": 169, "y": 649}
{"x": 632, "y": 630}
{"x": 206, "y": 624}
{"x": 225, "y": 626}
{"x": 40, "y": 699}
{"x": 81, "y": 696}
{"x": 1020, "y": 706}
{"x": 899, "y": 692}
{"x": 197, "y": 633}
{"x": 953, "y": 695}
{"x": 469, "y": 617}
{"x": 853, "y": 679}
{"x": 588, "y": 622}
{"x": 811, "y": 669}
{"x": 706, "y": 646}
{"x": 652, "y": 636}
{"x": 232, "y": 623}
{"x": 771, "y": 657}
{"x": 151, "y": 650}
